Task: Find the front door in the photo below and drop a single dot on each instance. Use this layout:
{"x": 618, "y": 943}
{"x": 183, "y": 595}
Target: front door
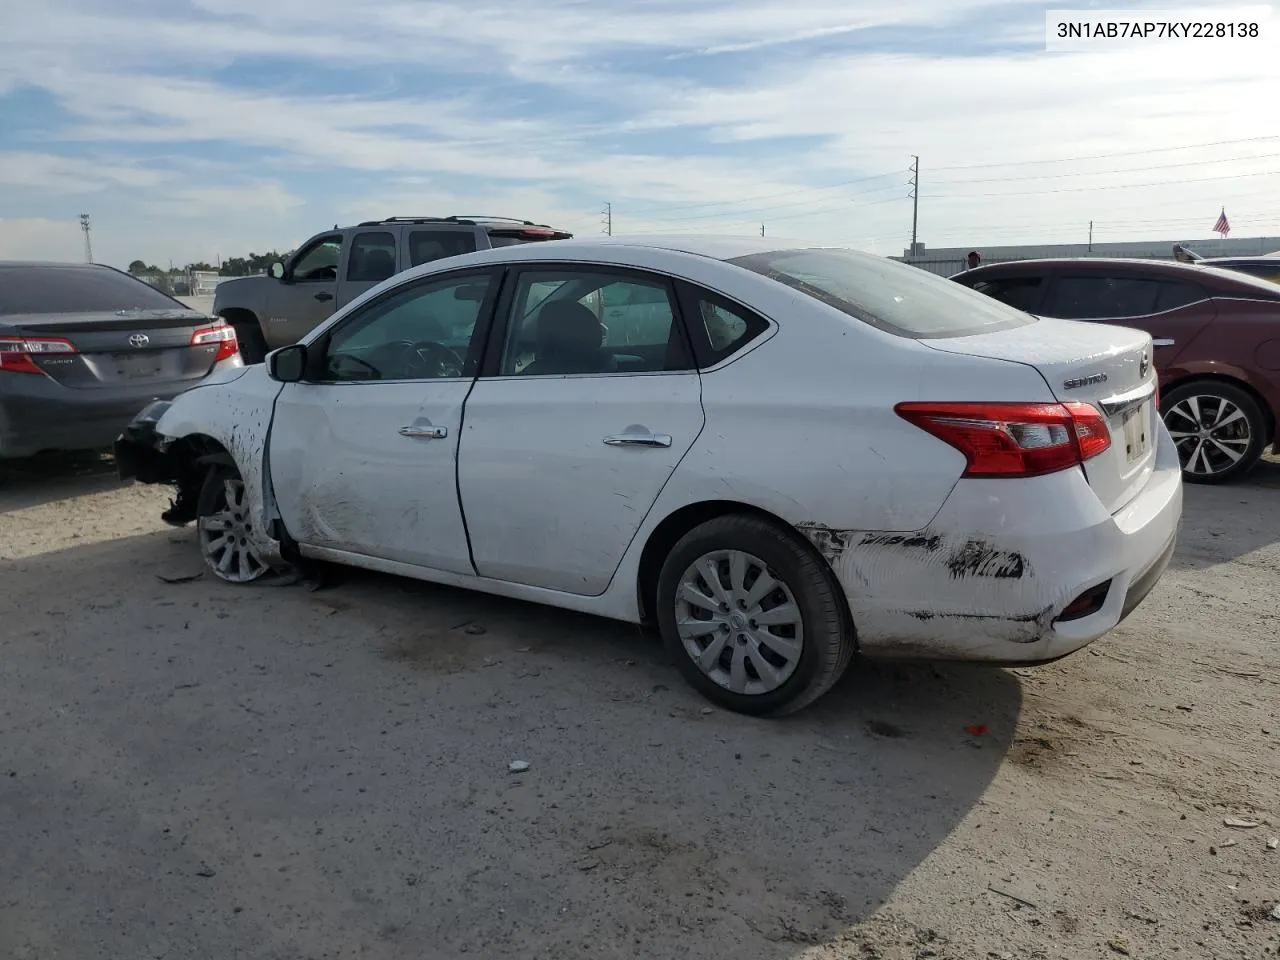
{"x": 304, "y": 298}
{"x": 363, "y": 454}
{"x": 568, "y": 444}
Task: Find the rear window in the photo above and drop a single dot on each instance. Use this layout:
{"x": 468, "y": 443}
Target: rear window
{"x": 890, "y": 296}
{"x": 72, "y": 289}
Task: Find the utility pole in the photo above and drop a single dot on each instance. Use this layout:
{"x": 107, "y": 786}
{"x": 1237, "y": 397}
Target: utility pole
{"x": 1091, "y": 236}
{"x": 762, "y": 229}
{"x": 915, "y": 200}
{"x": 607, "y": 212}
{"x": 88, "y": 244}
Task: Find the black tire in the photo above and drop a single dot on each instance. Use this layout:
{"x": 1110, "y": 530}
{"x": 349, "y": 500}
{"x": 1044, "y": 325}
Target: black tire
{"x": 828, "y": 641}
{"x": 1207, "y": 462}
{"x": 253, "y": 346}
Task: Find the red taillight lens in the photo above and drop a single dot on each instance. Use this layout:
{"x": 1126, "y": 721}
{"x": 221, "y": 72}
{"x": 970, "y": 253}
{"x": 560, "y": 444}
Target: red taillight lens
{"x": 17, "y": 354}
{"x": 223, "y": 334}
{"x": 1014, "y": 439}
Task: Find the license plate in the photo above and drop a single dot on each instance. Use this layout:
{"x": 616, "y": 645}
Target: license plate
{"x": 132, "y": 367}
{"x": 1136, "y": 430}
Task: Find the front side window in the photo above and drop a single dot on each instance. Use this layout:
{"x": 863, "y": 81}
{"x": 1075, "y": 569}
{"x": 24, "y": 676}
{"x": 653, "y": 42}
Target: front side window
{"x": 426, "y": 246}
{"x": 423, "y": 331}
{"x": 1101, "y": 298}
{"x": 1021, "y": 293}
{"x": 373, "y": 257}
{"x": 566, "y": 322}
{"x": 882, "y": 293}
{"x": 319, "y": 261}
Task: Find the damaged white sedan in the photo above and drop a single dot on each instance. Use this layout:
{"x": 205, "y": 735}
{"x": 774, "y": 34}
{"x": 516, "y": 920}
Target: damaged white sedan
{"x": 779, "y": 456}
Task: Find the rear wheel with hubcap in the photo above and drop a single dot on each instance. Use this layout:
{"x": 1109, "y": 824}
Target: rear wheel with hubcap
{"x": 752, "y": 616}
{"x": 226, "y": 528}
{"x": 1217, "y": 428}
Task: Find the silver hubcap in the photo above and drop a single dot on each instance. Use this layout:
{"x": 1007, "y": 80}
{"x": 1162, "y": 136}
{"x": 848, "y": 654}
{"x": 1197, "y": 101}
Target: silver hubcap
{"x": 1211, "y": 433}
{"x": 739, "y": 623}
{"x": 225, "y": 537}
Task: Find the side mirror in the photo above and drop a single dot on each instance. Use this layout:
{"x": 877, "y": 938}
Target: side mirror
{"x": 277, "y": 270}
{"x": 288, "y": 364}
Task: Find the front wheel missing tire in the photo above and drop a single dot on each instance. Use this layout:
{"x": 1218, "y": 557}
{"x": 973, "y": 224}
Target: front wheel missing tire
{"x": 225, "y": 527}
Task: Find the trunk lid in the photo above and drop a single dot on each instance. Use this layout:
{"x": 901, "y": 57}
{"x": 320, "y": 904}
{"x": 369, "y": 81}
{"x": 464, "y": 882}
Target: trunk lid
{"x": 1107, "y": 366}
{"x": 119, "y": 347}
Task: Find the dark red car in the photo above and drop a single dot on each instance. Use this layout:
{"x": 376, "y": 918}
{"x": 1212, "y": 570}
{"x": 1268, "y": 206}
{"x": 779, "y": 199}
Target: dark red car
{"x": 1216, "y": 337}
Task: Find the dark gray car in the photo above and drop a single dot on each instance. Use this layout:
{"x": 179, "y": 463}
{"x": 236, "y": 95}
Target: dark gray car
{"x": 84, "y": 347}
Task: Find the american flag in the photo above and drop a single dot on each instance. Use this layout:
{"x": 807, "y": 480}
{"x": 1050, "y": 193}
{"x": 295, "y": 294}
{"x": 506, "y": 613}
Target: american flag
{"x": 1222, "y": 226}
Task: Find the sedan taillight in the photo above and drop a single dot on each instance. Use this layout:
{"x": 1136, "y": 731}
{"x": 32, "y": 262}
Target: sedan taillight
{"x": 223, "y": 334}
{"x": 17, "y": 354}
{"x": 1014, "y": 439}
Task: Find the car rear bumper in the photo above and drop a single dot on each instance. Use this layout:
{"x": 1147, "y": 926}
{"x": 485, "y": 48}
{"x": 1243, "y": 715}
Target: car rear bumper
{"x": 38, "y": 414}
{"x": 991, "y": 577}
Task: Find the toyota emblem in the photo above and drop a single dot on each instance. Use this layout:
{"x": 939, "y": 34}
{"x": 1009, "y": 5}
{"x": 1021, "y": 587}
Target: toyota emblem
{"x": 139, "y": 340}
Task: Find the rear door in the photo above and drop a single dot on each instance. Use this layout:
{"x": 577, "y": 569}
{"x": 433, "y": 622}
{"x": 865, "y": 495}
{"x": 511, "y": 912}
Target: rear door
{"x": 572, "y": 435}
{"x": 305, "y": 296}
{"x": 428, "y": 244}
{"x": 1172, "y": 310}
{"x": 371, "y": 256}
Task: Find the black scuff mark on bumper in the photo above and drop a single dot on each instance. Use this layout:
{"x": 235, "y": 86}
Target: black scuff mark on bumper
{"x": 1028, "y": 627}
{"x": 929, "y": 543}
{"x": 977, "y": 558}
{"x": 830, "y": 543}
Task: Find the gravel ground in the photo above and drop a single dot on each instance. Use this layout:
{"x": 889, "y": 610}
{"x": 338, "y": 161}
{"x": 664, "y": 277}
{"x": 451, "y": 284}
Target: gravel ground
{"x": 190, "y": 770}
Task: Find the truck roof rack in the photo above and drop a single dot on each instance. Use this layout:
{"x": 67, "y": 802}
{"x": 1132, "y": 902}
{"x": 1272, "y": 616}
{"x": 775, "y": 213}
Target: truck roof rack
{"x": 473, "y": 217}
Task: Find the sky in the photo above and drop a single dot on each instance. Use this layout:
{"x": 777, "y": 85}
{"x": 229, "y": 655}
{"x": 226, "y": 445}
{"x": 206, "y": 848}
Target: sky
{"x": 197, "y": 129}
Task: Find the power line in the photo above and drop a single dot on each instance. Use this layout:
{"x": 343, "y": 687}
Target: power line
{"x": 1112, "y": 186}
{"x": 826, "y": 202}
{"x": 1100, "y": 173}
{"x": 1109, "y": 156}
{"x": 771, "y": 196}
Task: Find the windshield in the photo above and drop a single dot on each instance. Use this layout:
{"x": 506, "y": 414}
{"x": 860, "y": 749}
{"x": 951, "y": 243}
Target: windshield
{"x": 73, "y": 289}
{"x": 891, "y": 296}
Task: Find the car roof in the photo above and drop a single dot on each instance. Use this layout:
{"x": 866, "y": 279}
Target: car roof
{"x": 711, "y": 246}
{"x": 1226, "y": 282}
{"x": 73, "y": 265}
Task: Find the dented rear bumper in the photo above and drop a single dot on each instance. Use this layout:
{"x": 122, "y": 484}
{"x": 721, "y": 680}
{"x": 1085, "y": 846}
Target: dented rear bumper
{"x": 992, "y": 575}
{"x": 140, "y": 449}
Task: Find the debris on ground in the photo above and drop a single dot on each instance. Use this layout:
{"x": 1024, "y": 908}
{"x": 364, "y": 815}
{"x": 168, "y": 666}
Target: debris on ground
{"x": 976, "y": 729}
{"x": 1273, "y": 843}
{"x": 1119, "y": 944}
{"x": 518, "y": 766}
{"x": 475, "y": 629}
{"x": 205, "y": 871}
{"x": 183, "y": 579}
{"x": 705, "y": 711}
{"x": 1242, "y": 824}
{"x": 1275, "y": 912}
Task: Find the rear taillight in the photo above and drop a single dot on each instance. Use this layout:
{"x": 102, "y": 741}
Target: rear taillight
{"x": 17, "y": 355}
{"x": 223, "y": 334}
{"x": 1014, "y": 439}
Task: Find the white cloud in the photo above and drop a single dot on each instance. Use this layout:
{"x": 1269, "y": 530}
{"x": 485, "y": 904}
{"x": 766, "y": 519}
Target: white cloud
{"x": 136, "y": 74}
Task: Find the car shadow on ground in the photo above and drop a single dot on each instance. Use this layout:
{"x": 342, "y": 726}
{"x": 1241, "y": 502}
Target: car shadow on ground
{"x": 39, "y": 480}
{"x": 272, "y": 770}
{"x": 1245, "y": 518}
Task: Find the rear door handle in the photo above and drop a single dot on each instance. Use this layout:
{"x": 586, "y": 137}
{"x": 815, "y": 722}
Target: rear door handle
{"x": 639, "y": 440}
{"x": 1162, "y": 343}
{"x": 322, "y": 296}
{"x": 424, "y": 432}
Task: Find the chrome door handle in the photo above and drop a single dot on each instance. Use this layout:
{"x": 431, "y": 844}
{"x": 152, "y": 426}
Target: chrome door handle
{"x": 639, "y": 440}
{"x": 422, "y": 432}
{"x": 1162, "y": 343}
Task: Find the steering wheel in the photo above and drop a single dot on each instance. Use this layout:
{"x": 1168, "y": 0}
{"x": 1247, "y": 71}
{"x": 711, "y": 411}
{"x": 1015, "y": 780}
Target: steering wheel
{"x": 426, "y": 358}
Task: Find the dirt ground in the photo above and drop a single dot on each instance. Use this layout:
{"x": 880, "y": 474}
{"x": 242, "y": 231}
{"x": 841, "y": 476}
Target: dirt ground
{"x": 190, "y": 770}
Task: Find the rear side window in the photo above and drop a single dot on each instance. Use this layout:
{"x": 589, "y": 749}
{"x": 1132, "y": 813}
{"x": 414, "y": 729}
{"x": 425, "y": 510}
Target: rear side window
{"x": 891, "y": 296}
{"x": 428, "y": 245}
{"x": 1101, "y": 298}
{"x": 70, "y": 289}
{"x": 373, "y": 257}
{"x": 1174, "y": 294}
{"x": 717, "y": 327}
{"x": 1021, "y": 293}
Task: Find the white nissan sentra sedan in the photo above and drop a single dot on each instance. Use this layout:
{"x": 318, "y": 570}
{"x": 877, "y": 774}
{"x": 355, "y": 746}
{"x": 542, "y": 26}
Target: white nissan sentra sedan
{"x": 785, "y": 456}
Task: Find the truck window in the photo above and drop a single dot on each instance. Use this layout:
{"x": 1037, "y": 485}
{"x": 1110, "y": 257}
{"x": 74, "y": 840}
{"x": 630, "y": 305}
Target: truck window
{"x": 428, "y": 245}
{"x": 373, "y": 257}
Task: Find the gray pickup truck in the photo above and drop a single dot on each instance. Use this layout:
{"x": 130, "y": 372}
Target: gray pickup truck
{"x": 333, "y": 268}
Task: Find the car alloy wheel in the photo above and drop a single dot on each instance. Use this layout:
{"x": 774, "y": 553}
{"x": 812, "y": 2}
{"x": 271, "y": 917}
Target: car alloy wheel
{"x": 226, "y": 529}
{"x": 1218, "y": 429}
{"x": 739, "y": 622}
